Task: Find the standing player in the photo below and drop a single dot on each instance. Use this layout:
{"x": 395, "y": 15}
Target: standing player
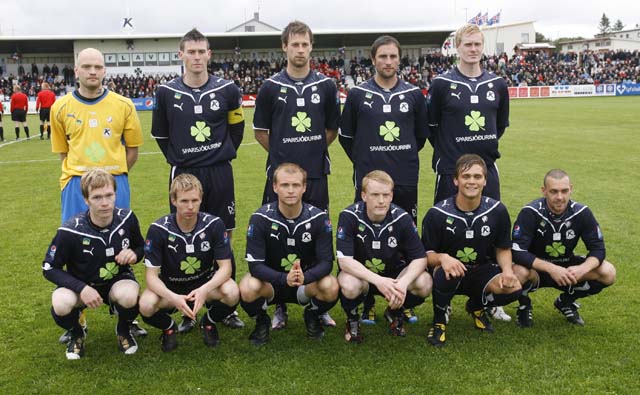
{"x": 296, "y": 118}
{"x": 379, "y": 251}
{"x": 467, "y": 241}
{"x": 198, "y": 123}
{"x": 44, "y": 101}
{"x": 290, "y": 257}
{"x": 188, "y": 265}
{"x": 384, "y": 125}
{"x": 545, "y": 235}
{"x": 93, "y": 128}
{"x": 468, "y": 113}
{"x": 97, "y": 247}
{"x": 19, "y": 103}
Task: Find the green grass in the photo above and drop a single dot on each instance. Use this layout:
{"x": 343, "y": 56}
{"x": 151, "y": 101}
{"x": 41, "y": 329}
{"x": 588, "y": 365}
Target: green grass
{"x": 594, "y": 139}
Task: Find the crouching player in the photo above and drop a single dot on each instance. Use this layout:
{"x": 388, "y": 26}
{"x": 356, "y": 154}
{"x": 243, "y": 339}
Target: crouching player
{"x": 97, "y": 246}
{"x": 545, "y": 235}
{"x": 467, "y": 239}
{"x": 379, "y": 252}
{"x": 188, "y": 265}
{"x": 290, "y": 257}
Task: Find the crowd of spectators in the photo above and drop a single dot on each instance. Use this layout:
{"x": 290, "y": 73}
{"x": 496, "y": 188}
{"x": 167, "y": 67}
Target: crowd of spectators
{"x": 534, "y": 69}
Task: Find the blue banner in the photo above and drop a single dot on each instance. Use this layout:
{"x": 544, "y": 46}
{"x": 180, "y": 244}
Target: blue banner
{"x": 144, "y": 103}
{"x": 627, "y": 89}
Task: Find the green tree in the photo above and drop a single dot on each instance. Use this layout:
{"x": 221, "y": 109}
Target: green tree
{"x": 605, "y": 24}
{"x": 618, "y": 26}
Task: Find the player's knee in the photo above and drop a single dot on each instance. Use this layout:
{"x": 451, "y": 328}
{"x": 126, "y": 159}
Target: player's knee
{"x": 523, "y": 273}
{"x": 230, "y": 292}
{"x": 350, "y": 286}
{"x": 249, "y": 288}
{"x": 607, "y": 273}
{"x": 148, "y": 304}
{"x": 63, "y": 300}
{"x": 126, "y": 295}
{"x": 328, "y": 285}
{"x": 422, "y": 285}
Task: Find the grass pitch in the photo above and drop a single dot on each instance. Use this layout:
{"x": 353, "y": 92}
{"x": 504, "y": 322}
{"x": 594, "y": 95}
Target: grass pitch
{"x": 594, "y": 139}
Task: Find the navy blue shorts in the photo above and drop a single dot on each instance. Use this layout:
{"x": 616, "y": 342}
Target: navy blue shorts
{"x": 317, "y": 193}
{"x": 19, "y": 116}
{"x": 104, "y": 288}
{"x": 445, "y": 187}
{"x": 286, "y": 294}
{"x": 476, "y": 280}
{"x": 546, "y": 281}
{"x": 218, "y": 197}
{"x": 405, "y": 196}
{"x": 44, "y": 114}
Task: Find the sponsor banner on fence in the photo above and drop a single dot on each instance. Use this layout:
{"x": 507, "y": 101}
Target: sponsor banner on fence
{"x": 627, "y": 89}
{"x": 144, "y": 103}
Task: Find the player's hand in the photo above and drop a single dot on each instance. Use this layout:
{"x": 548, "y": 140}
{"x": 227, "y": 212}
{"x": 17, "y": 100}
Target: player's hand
{"x": 452, "y": 267}
{"x": 180, "y": 303}
{"x": 390, "y": 291}
{"x": 126, "y": 257}
{"x": 90, "y": 297}
{"x": 508, "y": 280}
{"x": 578, "y": 272}
{"x": 295, "y": 277}
{"x": 562, "y": 276}
{"x": 398, "y": 300}
{"x": 198, "y": 296}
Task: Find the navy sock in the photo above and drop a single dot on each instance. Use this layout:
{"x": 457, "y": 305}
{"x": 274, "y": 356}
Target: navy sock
{"x": 125, "y": 316}
{"x": 411, "y": 300}
{"x": 503, "y": 299}
{"x": 582, "y": 290}
{"x": 69, "y": 321}
{"x": 26, "y": 131}
{"x": 253, "y": 309}
{"x": 321, "y": 306}
{"x": 217, "y": 311}
{"x": 350, "y": 306}
{"x": 161, "y": 320}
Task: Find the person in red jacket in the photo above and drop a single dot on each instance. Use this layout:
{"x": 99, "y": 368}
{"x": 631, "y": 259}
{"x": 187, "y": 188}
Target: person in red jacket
{"x": 19, "y": 104}
{"x": 44, "y": 101}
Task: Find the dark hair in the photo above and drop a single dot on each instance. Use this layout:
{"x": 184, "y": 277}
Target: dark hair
{"x": 556, "y": 174}
{"x": 293, "y": 28}
{"x": 193, "y": 35}
{"x": 465, "y": 162}
{"x": 385, "y": 40}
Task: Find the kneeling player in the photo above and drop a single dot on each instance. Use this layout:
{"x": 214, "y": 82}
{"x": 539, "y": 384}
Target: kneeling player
{"x": 545, "y": 235}
{"x": 290, "y": 257}
{"x": 467, "y": 239}
{"x": 97, "y": 247}
{"x": 379, "y": 252}
{"x": 188, "y": 265}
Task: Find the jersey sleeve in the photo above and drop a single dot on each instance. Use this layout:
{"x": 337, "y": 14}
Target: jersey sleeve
{"x": 137, "y": 241}
{"x": 348, "y": 124}
{"x": 345, "y": 235}
{"x": 431, "y": 232}
{"x": 434, "y": 104}
{"x": 132, "y": 132}
{"x": 159, "y": 121}
{"x": 421, "y": 120}
{"x": 332, "y": 107}
{"x": 413, "y": 248}
{"x": 264, "y": 107}
{"x": 502, "y": 117}
{"x": 324, "y": 251}
{"x": 523, "y": 235}
{"x": 59, "y": 142}
{"x": 236, "y": 114}
{"x": 56, "y": 258}
{"x": 592, "y": 236}
{"x": 503, "y": 238}
{"x": 154, "y": 247}
{"x": 39, "y": 100}
{"x": 221, "y": 245}
{"x": 256, "y": 254}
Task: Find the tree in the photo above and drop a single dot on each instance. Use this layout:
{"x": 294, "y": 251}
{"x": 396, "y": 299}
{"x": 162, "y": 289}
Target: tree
{"x": 605, "y": 24}
{"x": 540, "y": 38}
{"x": 618, "y": 26}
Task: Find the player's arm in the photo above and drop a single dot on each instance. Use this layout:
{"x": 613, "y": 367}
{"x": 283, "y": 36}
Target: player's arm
{"x": 135, "y": 252}
{"x": 503, "y": 246}
{"x": 508, "y": 278}
{"x": 348, "y": 124}
{"x": 132, "y": 156}
{"x": 332, "y": 112}
{"x": 200, "y": 294}
{"x": 262, "y": 137}
{"x": 421, "y": 125}
{"x": 235, "y": 120}
{"x": 160, "y": 122}
{"x": 593, "y": 241}
{"x": 262, "y": 116}
{"x": 59, "y": 142}
{"x": 331, "y": 135}
{"x": 323, "y": 251}
{"x": 256, "y": 254}
{"x": 38, "y": 102}
{"x": 502, "y": 117}
{"x": 157, "y": 286}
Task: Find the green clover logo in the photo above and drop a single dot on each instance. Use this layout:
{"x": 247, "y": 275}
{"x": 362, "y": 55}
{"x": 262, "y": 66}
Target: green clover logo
{"x": 390, "y": 131}
{"x": 301, "y": 122}
{"x": 287, "y": 262}
{"x": 475, "y": 121}
{"x": 110, "y": 270}
{"x": 375, "y": 265}
{"x": 201, "y": 131}
{"x": 467, "y": 255}
{"x": 190, "y": 265}
{"x": 555, "y": 249}
{"x": 95, "y": 152}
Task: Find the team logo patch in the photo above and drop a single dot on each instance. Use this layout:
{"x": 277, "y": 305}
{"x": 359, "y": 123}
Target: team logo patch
{"x": 106, "y": 132}
{"x": 125, "y": 244}
{"x": 568, "y": 223}
{"x": 274, "y": 226}
{"x": 225, "y": 237}
{"x": 401, "y": 97}
{"x": 172, "y": 238}
{"x": 205, "y": 246}
{"x": 340, "y": 234}
{"x": 485, "y": 231}
{"x": 368, "y": 95}
{"x": 283, "y": 90}
{"x": 250, "y": 230}
{"x": 86, "y": 241}
{"x": 147, "y": 246}
{"x": 449, "y": 220}
{"x": 570, "y": 234}
{"x": 392, "y": 242}
{"x": 109, "y": 119}
{"x": 212, "y": 95}
{"x": 215, "y": 105}
{"x": 121, "y": 232}
{"x": 361, "y": 227}
{"x": 52, "y": 251}
{"x": 490, "y": 84}
{"x": 517, "y": 231}
{"x": 485, "y": 219}
{"x": 404, "y": 107}
{"x": 307, "y": 225}
{"x": 390, "y": 228}
{"x": 314, "y": 88}
{"x": 327, "y": 226}
{"x": 315, "y": 98}
{"x": 453, "y": 86}
{"x": 491, "y": 96}
{"x": 306, "y": 237}
{"x": 177, "y": 96}
{"x": 202, "y": 236}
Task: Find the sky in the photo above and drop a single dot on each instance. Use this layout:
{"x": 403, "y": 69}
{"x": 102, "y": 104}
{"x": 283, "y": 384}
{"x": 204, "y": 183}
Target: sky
{"x": 553, "y": 18}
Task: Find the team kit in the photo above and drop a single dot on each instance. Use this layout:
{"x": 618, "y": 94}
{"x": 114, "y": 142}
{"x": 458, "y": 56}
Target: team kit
{"x": 467, "y": 244}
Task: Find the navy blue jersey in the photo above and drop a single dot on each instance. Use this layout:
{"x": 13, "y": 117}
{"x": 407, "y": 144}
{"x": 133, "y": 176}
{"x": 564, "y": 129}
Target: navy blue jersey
{"x": 297, "y": 115}
{"x": 384, "y": 130}
{"x": 384, "y": 248}
{"x": 469, "y": 236}
{"x": 186, "y": 258}
{"x": 274, "y": 243}
{"x": 466, "y": 116}
{"x": 538, "y": 233}
{"x": 89, "y": 252}
{"x": 195, "y": 121}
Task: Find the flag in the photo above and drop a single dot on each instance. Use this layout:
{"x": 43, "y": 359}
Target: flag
{"x": 494, "y": 19}
{"x": 484, "y": 20}
{"x": 476, "y": 19}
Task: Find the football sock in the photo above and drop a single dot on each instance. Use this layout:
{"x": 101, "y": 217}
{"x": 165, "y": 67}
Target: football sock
{"x": 161, "y": 320}
{"x": 321, "y": 306}
{"x": 582, "y": 290}
{"x": 125, "y": 316}
{"x": 440, "y": 302}
{"x": 48, "y": 131}
{"x": 411, "y": 300}
{"x": 1, "y": 133}
{"x": 503, "y": 299}
{"x": 69, "y": 321}
{"x": 350, "y": 306}
{"x": 26, "y": 131}
{"x": 17, "y": 133}
{"x": 41, "y": 131}
{"x": 217, "y": 311}
{"x": 258, "y": 306}
{"x": 524, "y": 298}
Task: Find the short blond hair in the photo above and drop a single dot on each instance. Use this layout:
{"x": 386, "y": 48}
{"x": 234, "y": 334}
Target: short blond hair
{"x": 289, "y": 168}
{"x": 184, "y": 182}
{"x": 379, "y": 176}
{"x": 94, "y": 179}
{"x": 466, "y": 30}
